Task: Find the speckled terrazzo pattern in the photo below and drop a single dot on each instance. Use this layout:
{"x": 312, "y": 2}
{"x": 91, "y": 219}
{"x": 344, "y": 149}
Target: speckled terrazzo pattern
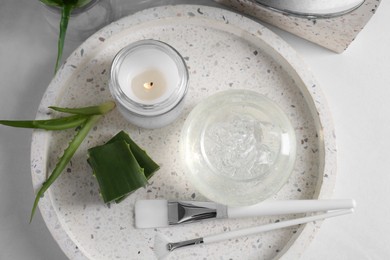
{"x": 223, "y": 50}
{"x": 335, "y": 33}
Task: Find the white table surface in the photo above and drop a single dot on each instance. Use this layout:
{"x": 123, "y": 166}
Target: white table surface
{"x": 356, "y": 84}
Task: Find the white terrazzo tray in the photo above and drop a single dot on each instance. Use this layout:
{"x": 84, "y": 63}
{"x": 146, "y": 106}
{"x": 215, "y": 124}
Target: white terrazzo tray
{"x": 223, "y": 50}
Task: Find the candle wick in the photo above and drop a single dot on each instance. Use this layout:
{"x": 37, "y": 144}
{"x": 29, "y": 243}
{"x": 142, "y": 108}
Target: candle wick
{"x": 148, "y": 85}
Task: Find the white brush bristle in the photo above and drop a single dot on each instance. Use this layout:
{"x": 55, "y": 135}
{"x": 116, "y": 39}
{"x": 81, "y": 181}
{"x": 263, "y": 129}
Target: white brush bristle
{"x": 161, "y": 246}
{"x": 151, "y": 213}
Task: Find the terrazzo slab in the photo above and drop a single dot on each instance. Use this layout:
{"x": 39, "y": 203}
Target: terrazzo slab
{"x": 223, "y": 50}
{"x": 335, "y": 33}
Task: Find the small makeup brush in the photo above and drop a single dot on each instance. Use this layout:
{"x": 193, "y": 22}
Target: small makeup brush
{"x": 162, "y": 247}
{"x": 162, "y": 213}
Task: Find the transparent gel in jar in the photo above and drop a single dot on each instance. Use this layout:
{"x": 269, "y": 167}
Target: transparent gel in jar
{"x": 238, "y": 147}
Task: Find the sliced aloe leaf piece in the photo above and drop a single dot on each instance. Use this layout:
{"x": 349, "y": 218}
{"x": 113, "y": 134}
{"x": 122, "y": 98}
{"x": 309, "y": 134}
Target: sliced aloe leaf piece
{"x": 141, "y": 156}
{"x": 118, "y": 200}
{"x": 116, "y": 170}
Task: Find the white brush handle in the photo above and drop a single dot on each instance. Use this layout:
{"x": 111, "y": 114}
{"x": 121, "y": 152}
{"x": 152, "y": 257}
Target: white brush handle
{"x": 269, "y": 208}
{"x": 268, "y": 227}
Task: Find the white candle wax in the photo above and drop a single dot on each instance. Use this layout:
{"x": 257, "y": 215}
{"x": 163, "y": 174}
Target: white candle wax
{"x": 149, "y": 82}
{"x": 148, "y": 68}
{"x": 149, "y": 85}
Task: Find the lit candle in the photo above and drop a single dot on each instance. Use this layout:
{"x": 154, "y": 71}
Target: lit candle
{"x": 149, "y": 82}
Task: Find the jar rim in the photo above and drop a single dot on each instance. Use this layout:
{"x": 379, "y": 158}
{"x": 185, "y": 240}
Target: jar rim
{"x": 155, "y": 109}
{"x": 75, "y": 11}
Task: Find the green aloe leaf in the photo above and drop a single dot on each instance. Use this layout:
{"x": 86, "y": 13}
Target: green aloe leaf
{"x": 92, "y": 110}
{"x": 49, "y": 124}
{"x": 65, "y": 14}
{"x": 66, "y": 9}
{"x": 65, "y": 158}
{"x": 86, "y": 126}
{"x": 84, "y": 117}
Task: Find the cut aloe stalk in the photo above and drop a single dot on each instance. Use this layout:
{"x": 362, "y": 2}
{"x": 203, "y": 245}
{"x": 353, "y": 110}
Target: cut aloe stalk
{"x": 83, "y": 118}
{"x": 116, "y": 170}
{"x": 67, "y": 7}
{"x": 65, "y": 158}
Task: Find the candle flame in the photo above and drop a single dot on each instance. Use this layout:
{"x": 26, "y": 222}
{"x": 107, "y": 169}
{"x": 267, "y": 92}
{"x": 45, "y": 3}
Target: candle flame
{"x": 148, "y": 85}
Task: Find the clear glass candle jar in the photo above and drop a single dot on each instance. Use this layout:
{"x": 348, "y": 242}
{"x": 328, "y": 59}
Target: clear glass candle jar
{"x": 83, "y": 21}
{"x": 149, "y": 82}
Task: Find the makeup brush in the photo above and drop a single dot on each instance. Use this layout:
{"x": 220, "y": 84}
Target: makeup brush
{"x": 162, "y": 213}
{"x": 162, "y": 247}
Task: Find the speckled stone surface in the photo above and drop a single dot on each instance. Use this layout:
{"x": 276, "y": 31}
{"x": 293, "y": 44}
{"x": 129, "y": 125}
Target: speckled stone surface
{"x": 222, "y": 50}
{"x": 335, "y": 33}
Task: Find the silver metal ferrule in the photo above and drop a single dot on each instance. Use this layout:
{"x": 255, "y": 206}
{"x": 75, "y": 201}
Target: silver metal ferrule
{"x": 191, "y": 211}
{"x": 173, "y": 246}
